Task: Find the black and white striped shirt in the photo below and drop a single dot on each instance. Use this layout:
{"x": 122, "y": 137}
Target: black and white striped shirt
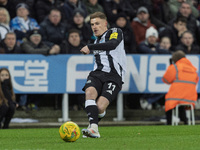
{"x": 109, "y": 52}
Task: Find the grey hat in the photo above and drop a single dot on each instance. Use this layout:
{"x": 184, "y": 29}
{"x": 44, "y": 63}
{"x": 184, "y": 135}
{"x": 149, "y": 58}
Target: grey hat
{"x": 78, "y": 11}
{"x": 142, "y": 9}
{"x": 22, "y": 5}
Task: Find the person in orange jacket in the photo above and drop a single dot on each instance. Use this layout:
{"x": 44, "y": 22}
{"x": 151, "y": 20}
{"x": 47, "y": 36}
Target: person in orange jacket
{"x": 183, "y": 77}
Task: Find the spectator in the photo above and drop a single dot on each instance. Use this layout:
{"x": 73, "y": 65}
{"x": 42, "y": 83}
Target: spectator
{"x": 10, "y": 6}
{"x": 9, "y": 44}
{"x": 114, "y": 7}
{"x": 150, "y": 45}
{"x": 35, "y": 45}
{"x": 175, "y": 31}
{"x": 183, "y": 77}
{"x": 160, "y": 11}
{"x": 22, "y": 23}
{"x": 197, "y": 5}
{"x": 53, "y": 29}
{"x": 174, "y": 6}
{"x": 192, "y": 22}
{"x": 165, "y": 43}
{"x": 140, "y": 24}
{"x": 30, "y": 4}
{"x": 7, "y": 100}
{"x": 79, "y": 24}
{"x": 69, "y": 7}
{"x": 187, "y": 44}
{"x": 73, "y": 44}
{"x": 129, "y": 39}
{"x": 138, "y": 3}
{"x": 91, "y": 7}
{"x": 43, "y": 7}
{"x": 4, "y": 22}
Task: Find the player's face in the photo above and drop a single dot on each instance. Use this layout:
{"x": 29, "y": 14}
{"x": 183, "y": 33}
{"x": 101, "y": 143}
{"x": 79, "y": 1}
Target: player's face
{"x": 4, "y": 75}
{"x": 99, "y": 26}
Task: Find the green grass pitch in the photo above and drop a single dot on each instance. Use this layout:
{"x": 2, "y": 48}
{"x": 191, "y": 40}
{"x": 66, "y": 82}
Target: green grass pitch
{"x": 112, "y": 138}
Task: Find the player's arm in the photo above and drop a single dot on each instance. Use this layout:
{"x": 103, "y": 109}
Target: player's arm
{"x": 112, "y": 40}
{"x": 85, "y": 50}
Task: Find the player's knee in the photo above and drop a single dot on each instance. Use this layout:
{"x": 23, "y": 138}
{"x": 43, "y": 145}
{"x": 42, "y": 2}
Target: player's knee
{"x": 90, "y": 93}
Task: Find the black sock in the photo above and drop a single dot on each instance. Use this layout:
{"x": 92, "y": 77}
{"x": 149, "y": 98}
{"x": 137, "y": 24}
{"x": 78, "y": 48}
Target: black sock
{"x": 99, "y": 119}
{"x": 92, "y": 111}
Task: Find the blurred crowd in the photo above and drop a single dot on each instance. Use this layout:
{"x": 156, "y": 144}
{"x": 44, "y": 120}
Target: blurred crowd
{"x": 62, "y": 27}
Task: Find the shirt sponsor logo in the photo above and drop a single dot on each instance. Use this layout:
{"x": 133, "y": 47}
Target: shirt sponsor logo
{"x": 97, "y": 51}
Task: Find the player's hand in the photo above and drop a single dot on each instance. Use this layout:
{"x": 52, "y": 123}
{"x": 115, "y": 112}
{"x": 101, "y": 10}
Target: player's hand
{"x": 85, "y": 50}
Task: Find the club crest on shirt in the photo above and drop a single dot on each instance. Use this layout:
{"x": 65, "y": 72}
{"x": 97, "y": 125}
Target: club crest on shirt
{"x": 89, "y": 81}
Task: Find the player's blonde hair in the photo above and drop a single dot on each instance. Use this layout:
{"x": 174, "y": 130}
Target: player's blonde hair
{"x": 98, "y": 15}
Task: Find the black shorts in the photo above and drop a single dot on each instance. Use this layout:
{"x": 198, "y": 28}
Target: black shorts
{"x": 106, "y": 84}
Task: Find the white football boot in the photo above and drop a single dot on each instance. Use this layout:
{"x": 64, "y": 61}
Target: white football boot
{"x": 90, "y": 133}
{"x": 87, "y": 128}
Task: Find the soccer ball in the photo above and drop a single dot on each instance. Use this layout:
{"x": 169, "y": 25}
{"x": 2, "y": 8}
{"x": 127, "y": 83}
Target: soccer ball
{"x": 69, "y": 131}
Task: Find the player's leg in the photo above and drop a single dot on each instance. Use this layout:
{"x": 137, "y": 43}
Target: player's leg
{"x": 90, "y": 105}
{"x": 93, "y": 131}
{"x": 109, "y": 93}
{"x": 92, "y": 112}
{"x": 102, "y": 104}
